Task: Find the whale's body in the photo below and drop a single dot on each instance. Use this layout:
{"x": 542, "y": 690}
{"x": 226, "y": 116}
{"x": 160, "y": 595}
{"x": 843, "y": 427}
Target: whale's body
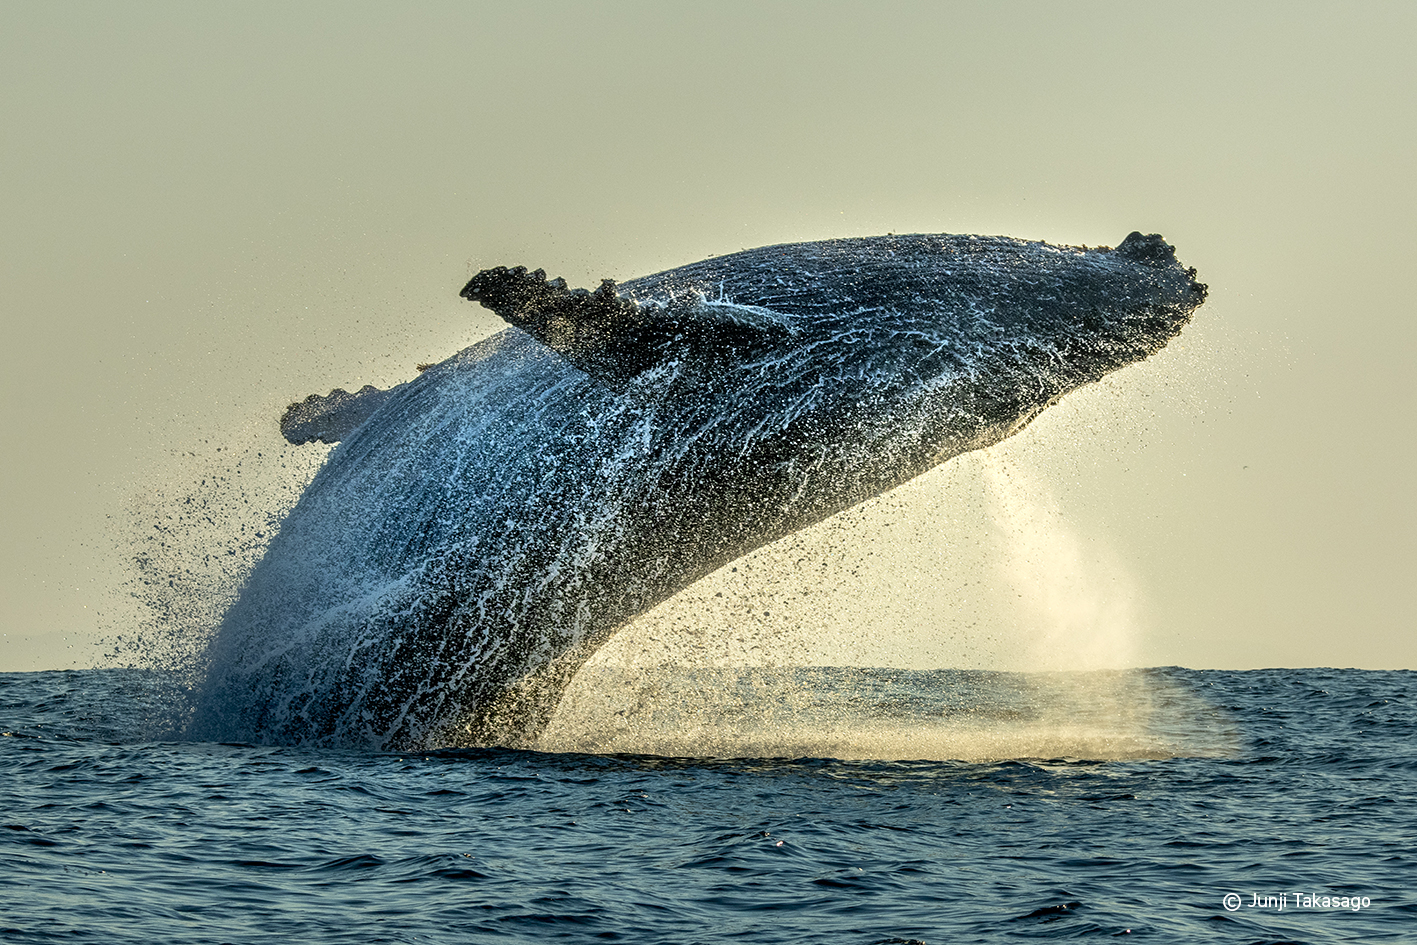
{"x": 479, "y": 531}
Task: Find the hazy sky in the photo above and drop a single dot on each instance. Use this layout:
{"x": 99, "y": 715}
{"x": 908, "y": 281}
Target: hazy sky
{"x": 208, "y": 212}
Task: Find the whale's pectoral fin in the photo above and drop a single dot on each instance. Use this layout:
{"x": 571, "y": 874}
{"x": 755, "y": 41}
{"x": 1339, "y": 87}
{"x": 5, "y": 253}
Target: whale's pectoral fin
{"x": 332, "y": 418}
{"x": 613, "y": 338}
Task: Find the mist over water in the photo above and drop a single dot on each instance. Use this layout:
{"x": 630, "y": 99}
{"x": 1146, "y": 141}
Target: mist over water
{"x": 768, "y": 657}
{"x": 1075, "y": 600}
{"x": 884, "y": 715}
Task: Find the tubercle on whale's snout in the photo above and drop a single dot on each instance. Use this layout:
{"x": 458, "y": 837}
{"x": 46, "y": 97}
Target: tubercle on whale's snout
{"x": 1152, "y": 250}
{"x": 1198, "y": 289}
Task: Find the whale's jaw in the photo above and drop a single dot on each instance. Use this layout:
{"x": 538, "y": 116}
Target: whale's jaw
{"x": 480, "y": 530}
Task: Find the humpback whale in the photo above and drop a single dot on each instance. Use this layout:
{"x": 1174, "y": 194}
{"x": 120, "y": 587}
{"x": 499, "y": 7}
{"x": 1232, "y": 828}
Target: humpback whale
{"x": 480, "y": 530}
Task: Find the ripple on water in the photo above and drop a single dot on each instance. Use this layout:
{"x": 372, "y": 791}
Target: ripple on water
{"x": 117, "y": 840}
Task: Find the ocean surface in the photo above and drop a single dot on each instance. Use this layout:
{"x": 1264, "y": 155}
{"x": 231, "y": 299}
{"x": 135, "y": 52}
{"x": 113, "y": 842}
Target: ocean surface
{"x": 773, "y": 806}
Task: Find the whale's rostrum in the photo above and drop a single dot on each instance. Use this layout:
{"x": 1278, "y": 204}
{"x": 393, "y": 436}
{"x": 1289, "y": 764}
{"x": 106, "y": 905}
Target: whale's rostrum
{"x": 479, "y": 531}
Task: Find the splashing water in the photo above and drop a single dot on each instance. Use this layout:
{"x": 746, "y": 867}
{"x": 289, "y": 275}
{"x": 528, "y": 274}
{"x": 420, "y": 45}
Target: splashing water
{"x": 749, "y": 662}
{"x": 192, "y": 538}
{"x": 881, "y": 714}
{"x": 726, "y": 668}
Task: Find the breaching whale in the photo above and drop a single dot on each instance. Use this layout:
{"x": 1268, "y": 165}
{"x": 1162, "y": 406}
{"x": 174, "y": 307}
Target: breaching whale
{"x": 479, "y": 531}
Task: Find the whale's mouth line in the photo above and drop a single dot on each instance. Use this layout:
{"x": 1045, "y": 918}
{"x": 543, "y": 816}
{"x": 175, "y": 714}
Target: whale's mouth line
{"x": 536, "y": 491}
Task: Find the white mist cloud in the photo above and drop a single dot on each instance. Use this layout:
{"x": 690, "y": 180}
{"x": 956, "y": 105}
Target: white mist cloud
{"x": 1075, "y": 599}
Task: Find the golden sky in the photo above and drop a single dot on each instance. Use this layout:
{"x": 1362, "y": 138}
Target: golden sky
{"x": 207, "y": 213}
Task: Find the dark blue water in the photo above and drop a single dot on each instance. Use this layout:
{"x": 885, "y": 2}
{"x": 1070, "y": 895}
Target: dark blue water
{"x": 1268, "y": 783}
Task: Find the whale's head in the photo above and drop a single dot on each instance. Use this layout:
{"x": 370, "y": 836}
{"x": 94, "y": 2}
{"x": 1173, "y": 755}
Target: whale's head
{"x": 873, "y": 358}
